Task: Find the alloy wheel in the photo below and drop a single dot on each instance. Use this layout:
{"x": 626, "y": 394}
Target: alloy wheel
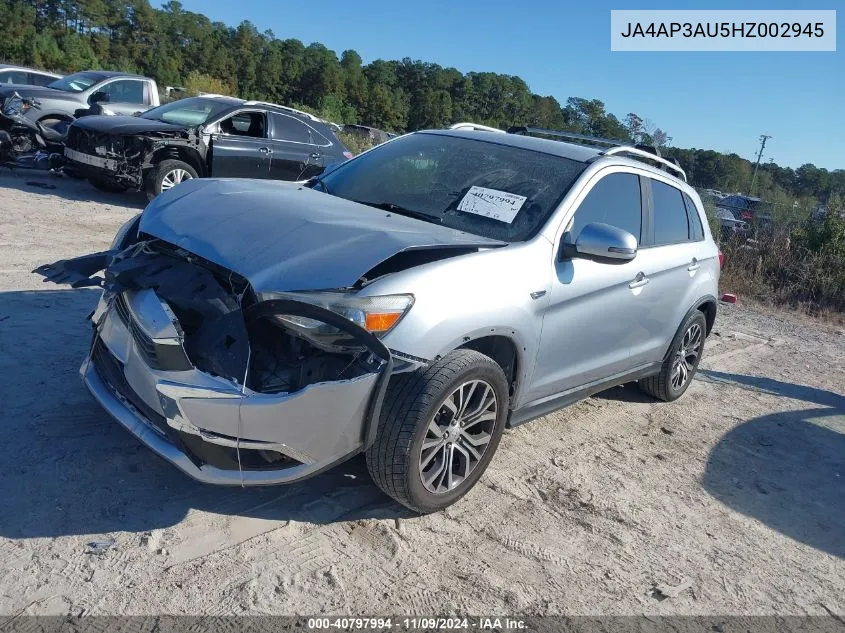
{"x": 173, "y": 178}
{"x": 686, "y": 357}
{"x": 457, "y": 436}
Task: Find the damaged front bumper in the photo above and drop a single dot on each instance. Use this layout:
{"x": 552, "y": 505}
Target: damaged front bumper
{"x": 211, "y": 428}
{"x": 225, "y": 391}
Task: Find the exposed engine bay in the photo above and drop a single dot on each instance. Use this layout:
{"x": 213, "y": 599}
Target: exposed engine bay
{"x": 224, "y": 331}
{"x": 130, "y": 155}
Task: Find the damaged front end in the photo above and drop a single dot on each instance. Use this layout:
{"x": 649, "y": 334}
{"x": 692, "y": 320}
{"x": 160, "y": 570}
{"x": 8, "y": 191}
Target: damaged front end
{"x": 123, "y": 159}
{"x": 231, "y": 387}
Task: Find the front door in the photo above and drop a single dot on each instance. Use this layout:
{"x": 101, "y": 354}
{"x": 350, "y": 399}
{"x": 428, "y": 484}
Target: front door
{"x": 126, "y": 96}
{"x": 240, "y": 148}
{"x": 594, "y": 315}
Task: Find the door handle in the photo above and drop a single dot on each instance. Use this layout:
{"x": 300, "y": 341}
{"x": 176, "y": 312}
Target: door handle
{"x": 639, "y": 281}
{"x": 265, "y": 150}
{"x": 694, "y": 265}
{"x": 315, "y": 154}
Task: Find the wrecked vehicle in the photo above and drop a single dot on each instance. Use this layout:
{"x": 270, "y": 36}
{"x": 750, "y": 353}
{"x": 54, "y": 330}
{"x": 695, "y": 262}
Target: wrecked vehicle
{"x": 410, "y": 304}
{"x": 75, "y": 95}
{"x": 199, "y": 137}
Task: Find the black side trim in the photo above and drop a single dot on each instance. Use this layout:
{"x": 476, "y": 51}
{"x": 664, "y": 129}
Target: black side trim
{"x": 526, "y": 414}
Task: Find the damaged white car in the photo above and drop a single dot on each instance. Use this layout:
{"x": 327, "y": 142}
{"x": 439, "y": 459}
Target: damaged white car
{"x": 410, "y": 304}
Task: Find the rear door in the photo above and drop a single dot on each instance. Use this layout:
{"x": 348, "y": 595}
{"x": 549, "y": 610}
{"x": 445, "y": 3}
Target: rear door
{"x": 240, "y": 147}
{"x": 297, "y": 148}
{"x": 676, "y": 257}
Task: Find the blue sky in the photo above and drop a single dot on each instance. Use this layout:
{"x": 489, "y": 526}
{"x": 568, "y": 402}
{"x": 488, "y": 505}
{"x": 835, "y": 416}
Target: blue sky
{"x": 720, "y": 101}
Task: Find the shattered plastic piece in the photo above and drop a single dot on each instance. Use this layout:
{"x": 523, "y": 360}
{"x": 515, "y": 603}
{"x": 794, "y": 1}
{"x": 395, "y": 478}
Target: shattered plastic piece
{"x": 99, "y": 547}
{"x": 77, "y": 272}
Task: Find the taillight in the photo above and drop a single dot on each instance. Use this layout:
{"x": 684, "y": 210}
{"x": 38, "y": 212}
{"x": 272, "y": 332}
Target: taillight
{"x": 348, "y": 155}
{"x": 721, "y": 259}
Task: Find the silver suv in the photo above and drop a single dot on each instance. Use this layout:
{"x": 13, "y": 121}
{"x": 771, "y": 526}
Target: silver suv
{"x": 411, "y": 304}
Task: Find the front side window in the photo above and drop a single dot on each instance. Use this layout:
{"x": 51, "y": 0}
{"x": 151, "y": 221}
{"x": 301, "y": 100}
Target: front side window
{"x": 251, "y": 124}
{"x": 13, "y": 77}
{"x": 670, "y": 215}
{"x": 125, "y": 91}
{"x": 614, "y": 200}
{"x": 478, "y": 186}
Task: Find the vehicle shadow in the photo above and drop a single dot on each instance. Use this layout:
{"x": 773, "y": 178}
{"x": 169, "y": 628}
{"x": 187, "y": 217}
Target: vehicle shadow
{"x": 785, "y": 469}
{"x": 67, "y": 469}
{"x": 629, "y": 392}
{"x": 50, "y": 184}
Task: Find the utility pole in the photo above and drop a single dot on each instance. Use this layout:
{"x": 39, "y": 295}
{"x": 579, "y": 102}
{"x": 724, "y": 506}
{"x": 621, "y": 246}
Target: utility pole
{"x": 763, "y": 139}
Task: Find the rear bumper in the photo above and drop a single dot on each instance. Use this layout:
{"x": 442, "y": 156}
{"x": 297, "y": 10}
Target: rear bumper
{"x": 197, "y": 421}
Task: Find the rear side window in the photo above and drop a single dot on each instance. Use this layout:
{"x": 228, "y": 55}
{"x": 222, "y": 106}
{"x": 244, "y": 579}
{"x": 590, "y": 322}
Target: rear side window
{"x": 670, "y": 215}
{"x": 38, "y": 79}
{"x": 615, "y": 200}
{"x": 286, "y": 128}
{"x": 695, "y": 228}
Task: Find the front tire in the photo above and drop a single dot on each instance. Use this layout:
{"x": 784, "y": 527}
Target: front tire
{"x": 438, "y": 430}
{"x": 167, "y": 174}
{"x": 681, "y": 362}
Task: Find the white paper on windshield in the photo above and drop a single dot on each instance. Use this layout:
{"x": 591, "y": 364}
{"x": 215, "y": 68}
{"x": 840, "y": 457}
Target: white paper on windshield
{"x": 492, "y": 203}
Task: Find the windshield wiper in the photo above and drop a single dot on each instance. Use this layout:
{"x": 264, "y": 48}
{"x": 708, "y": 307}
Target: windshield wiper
{"x": 395, "y": 208}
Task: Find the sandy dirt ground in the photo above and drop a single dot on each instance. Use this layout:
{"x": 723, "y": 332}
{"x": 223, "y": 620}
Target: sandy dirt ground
{"x": 729, "y": 501}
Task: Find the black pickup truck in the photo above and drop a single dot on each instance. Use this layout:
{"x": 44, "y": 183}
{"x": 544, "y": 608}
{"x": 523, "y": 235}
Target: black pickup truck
{"x": 199, "y": 137}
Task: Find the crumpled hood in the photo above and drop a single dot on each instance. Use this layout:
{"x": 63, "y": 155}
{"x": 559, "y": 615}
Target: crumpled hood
{"x": 281, "y": 236}
{"x": 124, "y": 125}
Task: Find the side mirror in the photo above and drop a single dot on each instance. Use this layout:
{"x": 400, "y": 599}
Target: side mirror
{"x": 99, "y": 97}
{"x": 603, "y": 243}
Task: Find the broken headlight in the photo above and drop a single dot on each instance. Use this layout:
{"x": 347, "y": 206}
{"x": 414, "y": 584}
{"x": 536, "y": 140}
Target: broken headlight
{"x": 378, "y": 314}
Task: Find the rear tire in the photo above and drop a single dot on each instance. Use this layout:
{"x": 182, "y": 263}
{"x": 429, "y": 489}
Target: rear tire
{"x": 106, "y": 186}
{"x": 166, "y": 174}
{"x": 681, "y": 362}
{"x": 438, "y": 430}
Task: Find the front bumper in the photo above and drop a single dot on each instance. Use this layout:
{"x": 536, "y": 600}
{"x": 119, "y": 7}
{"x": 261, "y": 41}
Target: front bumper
{"x": 186, "y": 415}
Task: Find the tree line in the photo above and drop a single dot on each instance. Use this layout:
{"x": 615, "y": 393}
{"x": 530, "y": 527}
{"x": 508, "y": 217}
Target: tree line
{"x": 182, "y": 48}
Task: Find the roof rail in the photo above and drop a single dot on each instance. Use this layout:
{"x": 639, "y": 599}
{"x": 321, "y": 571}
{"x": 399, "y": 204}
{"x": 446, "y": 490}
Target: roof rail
{"x": 645, "y": 152}
{"x": 519, "y": 129}
{"x": 307, "y": 115}
{"x": 474, "y": 126}
{"x": 639, "y": 153}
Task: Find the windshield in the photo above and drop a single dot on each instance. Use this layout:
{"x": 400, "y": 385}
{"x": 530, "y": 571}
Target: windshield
{"x": 191, "y": 111}
{"x": 77, "y": 82}
{"x": 497, "y": 191}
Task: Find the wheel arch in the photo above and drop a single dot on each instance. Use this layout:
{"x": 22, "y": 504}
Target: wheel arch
{"x": 708, "y": 306}
{"x": 188, "y": 155}
{"x": 504, "y": 351}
